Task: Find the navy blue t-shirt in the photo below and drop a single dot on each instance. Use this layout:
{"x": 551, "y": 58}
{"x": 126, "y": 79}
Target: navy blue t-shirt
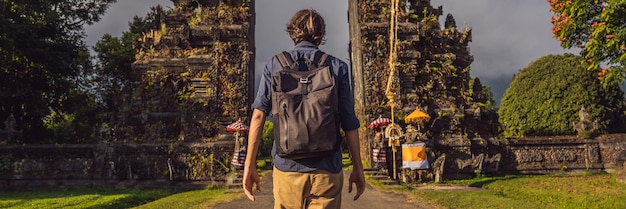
{"x": 348, "y": 119}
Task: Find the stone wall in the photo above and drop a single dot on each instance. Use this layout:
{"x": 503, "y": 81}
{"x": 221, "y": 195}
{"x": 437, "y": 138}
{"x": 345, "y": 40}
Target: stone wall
{"x": 462, "y": 158}
{"x": 555, "y": 155}
{"x": 122, "y": 165}
{"x": 196, "y": 165}
{"x": 537, "y": 155}
{"x": 612, "y": 151}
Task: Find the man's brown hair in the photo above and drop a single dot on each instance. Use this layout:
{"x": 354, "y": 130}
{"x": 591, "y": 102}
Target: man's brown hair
{"x": 307, "y": 25}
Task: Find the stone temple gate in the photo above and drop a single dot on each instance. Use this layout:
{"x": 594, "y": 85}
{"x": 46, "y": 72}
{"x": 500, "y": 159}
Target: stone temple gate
{"x": 196, "y": 73}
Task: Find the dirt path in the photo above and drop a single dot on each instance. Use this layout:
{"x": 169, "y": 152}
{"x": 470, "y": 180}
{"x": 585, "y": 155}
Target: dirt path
{"x": 370, "y": 199}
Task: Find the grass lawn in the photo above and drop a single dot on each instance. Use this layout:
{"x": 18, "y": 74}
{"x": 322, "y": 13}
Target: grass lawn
{"x": 193, "y": 199}
{"x": 115, "y": 198}
{"x": 579, "y": 191}
{"x": 121, "y": 198}
{"x": 80, "y": 198}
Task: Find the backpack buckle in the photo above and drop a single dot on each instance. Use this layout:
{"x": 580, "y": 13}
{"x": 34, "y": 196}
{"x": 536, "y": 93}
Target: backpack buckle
{"x": 305, "y": 80}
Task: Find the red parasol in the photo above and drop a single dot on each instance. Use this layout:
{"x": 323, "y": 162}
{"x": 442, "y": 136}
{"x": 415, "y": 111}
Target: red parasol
{"x": 379, "y": 122}
{"x": 237, "y": 127}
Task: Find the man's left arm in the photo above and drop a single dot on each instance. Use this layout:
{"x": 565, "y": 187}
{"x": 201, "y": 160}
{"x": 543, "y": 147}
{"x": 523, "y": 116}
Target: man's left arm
{"x": 350, "y": 124}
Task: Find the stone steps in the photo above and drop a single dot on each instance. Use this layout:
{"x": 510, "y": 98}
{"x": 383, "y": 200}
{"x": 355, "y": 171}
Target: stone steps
{"x": 379, "y": 175}
{"x": 235, "y": 183}
{"x": 370, "y": 173}
{"x": 390, "y": 182}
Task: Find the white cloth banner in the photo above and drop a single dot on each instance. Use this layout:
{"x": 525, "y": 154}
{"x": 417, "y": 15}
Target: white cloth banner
{"x": 414, "y": 156}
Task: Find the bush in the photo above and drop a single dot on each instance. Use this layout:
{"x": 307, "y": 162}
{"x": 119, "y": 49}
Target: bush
{"x": 545, "y": 98}
{"x": 267, "y": 139}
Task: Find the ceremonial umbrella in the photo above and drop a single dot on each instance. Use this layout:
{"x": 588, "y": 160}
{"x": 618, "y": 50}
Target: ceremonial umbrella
{"x": 379, "y": 122}
{"x": 237, "y": 127}
{"x": 417, "y": 116}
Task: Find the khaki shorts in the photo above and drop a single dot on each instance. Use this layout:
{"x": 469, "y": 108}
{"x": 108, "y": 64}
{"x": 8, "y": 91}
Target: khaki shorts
{"x": 316, "y": 189}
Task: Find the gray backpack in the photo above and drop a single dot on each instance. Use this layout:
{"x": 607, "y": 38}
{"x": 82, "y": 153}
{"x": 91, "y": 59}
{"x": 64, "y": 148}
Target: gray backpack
{"x": 304, "y": 108}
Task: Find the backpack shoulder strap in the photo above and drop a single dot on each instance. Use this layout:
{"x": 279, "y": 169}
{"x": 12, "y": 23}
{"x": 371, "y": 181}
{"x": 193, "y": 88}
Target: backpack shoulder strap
{"x": 285, "y": 59}
{"x": 320, "y": 58}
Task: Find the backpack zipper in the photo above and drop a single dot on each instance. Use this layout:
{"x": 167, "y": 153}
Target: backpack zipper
{"x": 286, "y": 127}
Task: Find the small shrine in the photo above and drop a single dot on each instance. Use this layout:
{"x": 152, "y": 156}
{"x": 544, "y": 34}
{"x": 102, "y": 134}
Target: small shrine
{"x": 240, "y": 131}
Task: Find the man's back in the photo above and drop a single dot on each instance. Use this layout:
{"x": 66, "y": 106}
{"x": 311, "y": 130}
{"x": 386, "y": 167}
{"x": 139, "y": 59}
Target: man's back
{"x": 309, "y": 182}
{"x": 347, "y": 117}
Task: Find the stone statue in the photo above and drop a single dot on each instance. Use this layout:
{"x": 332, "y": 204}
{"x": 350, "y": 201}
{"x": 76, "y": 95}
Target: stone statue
{"x": 411, "y": 134}
{"x": 473, "y": 164}
{"x": 585, "y": 127}
{"x": 10, "y": 132}
{"x": 492, "y": 164}
{"x": 582, "y": 114}
{"x": 240, "y": 144}
{"x": 450, "y": 22}
{"x": 438, "y": 167}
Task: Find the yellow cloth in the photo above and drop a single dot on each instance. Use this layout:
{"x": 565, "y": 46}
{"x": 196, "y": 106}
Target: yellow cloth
{"x": 414, "y": 156}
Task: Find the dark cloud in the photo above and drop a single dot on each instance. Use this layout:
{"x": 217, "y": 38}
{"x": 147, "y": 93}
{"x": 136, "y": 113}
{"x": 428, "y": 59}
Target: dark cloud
{"x": 507, "y": 36}
{"x": 116, "y": 20}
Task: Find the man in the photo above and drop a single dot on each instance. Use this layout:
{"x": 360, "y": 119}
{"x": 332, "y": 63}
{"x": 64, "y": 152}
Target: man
{"x": 310, "y": 182}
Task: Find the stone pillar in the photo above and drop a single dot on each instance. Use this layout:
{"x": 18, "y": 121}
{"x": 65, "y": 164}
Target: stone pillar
{"x": 356, "y": 63}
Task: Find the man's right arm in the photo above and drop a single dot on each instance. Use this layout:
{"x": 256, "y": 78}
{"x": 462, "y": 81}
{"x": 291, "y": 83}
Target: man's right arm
{"x": 356, "y": 177}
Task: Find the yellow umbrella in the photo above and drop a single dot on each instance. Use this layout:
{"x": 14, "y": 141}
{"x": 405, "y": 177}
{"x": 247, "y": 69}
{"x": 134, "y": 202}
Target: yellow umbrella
{"x": 417, "y": 116}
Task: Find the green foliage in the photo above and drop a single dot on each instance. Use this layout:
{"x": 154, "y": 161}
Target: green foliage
{"x": 577, "y": 191}
{"x": 115, "y": 198}
{"x": 115, "y": 56}
{"x": 193, "y": 199}
{"x": 545, "y": 98}
{"x": 80, "y": 198}
{"x": 60, "y": 124}
{"x": 43, "y": 57}
{"x": 597, "y": 27}
{"x": 267, "y": 139}
{"x": 75, "y": 121}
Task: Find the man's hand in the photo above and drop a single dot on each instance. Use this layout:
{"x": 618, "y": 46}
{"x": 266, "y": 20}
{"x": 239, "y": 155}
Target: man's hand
{"x": 250, "y": 178}
{"x": 357, "y": 178}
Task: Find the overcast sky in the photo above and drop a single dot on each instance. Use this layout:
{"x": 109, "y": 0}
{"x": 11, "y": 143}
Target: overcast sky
{"x": 507, "y": 34}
